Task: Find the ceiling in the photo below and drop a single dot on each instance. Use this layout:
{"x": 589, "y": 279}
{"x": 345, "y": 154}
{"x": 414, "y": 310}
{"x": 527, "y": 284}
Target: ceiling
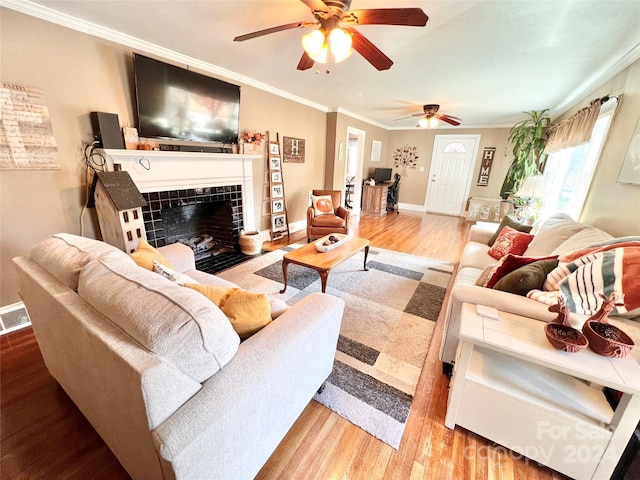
{"x": 483, "y": 61}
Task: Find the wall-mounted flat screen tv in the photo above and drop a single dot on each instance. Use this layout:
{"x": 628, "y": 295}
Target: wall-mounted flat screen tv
{"x": 175, "y": 103}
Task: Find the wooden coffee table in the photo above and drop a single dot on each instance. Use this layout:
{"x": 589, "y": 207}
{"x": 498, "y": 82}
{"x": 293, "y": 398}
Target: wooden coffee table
{"x": 308, "y": 256}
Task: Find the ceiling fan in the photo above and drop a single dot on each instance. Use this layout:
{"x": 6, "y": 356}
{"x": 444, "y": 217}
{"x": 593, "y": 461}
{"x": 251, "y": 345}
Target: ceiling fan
{"x": 430, "y": 117}
{"x": 337, "y": 35}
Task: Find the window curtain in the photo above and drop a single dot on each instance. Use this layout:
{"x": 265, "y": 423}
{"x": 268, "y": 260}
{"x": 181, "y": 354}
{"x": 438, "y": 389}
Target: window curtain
{"x": 575, "y": 130}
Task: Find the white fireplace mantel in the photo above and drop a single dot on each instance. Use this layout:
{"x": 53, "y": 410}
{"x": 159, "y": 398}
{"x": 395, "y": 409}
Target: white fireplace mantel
{"x": 157, "y": 171}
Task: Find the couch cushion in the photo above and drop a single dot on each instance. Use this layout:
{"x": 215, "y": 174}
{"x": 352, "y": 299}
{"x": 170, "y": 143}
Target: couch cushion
{"x": 176, "y": 323}
{"x": 584, "y": 238}
{"x": 508, "y": 221}
{"x": 475, "y": 255}
{"x": 551, "y": 232}
{"x": 467, "y": 276}
{"x": 64, "y": 255}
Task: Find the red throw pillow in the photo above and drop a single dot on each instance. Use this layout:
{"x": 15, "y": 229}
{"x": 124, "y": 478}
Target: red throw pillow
{"x": 511, "y": 262}
{"x": 510, "y": 241}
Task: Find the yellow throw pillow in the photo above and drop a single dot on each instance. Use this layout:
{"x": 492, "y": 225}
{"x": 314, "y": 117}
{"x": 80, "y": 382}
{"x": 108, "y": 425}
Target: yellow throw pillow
{"x": 247, "y": 311}
{"x": 145, "y": 254}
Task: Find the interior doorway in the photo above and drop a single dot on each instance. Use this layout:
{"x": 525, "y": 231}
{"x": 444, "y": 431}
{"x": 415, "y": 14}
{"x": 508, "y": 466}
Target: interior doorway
{"x": 354, "y": 160}
{"x": 449, "y": 180}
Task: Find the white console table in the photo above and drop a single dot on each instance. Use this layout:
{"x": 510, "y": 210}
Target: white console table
{"x": 512, "y": 387}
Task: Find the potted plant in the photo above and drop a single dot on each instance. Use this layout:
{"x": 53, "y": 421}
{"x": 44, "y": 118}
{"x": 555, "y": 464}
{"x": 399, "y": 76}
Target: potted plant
{"x": 527, "y": 139}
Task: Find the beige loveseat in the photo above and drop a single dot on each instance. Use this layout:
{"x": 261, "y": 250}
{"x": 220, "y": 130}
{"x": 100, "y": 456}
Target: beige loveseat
{"x": 556, "y": 235}
{"x": 158, "y": 369}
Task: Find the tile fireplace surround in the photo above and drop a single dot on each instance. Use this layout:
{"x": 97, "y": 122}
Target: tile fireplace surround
{"x": 169, "y": 179}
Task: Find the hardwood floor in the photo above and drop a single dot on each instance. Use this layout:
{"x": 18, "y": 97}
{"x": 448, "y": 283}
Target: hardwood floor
{"x": 43, "y": 434}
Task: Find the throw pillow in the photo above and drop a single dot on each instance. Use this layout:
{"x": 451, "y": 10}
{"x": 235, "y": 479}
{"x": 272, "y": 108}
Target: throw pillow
{"x": 322, "y": 205}
{"x": 145, "y": 254}
{"x": 524, "y": 279}
{"x": 509, "y": 263}
{"x": 508, "y": 221}
{"x": 166, "y": 272}
{"x": 247, "y": 311}
{"x": 486, "y": 274}
{"x": 510, "y": 241}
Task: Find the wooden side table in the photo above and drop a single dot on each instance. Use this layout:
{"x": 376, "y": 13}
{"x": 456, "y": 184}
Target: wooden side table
{"x": 512, "y": 387}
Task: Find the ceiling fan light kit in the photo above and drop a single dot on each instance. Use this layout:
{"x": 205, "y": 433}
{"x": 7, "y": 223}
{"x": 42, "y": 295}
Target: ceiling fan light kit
{"x": 317, "y": 45}
{"x": 332, "y": 36}
{"x": 428, "y": 122}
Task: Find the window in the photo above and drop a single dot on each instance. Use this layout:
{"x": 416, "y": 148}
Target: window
{"x": 454, "y": 147}
{"x": 568, "y": 173}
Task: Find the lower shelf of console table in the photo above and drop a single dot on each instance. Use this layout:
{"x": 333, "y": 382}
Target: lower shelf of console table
{"x": 510, "y": 386}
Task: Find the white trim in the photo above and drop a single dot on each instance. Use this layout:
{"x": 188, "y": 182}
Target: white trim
{"x": 154, "y": 171}
{"x": 53, "y": 16}
{"x": 11, "y": 308}
{"x": 474, "y": 159}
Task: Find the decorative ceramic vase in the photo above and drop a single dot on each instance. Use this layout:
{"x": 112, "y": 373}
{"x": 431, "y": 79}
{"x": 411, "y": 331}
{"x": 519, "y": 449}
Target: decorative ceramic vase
{"x": 250, "y": 242}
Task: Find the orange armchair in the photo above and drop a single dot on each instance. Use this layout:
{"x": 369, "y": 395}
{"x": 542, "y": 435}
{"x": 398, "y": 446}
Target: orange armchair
{"x": 321, "y": 225}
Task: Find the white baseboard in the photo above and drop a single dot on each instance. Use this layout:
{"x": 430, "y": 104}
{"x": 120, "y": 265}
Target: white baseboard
{"x": 293, "y": 227}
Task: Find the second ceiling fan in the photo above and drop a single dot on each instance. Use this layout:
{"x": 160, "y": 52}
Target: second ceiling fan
{"x": 430, "y": 117}
{"x": 337, "y": 35}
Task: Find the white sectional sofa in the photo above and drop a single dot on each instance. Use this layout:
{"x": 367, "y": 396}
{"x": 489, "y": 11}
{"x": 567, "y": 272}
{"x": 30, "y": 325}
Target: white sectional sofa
{"x": 157, "y": 368}
{"x": 557, "y": 234}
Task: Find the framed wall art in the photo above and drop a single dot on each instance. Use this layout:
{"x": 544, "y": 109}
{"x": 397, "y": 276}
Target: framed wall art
{"x": 26, "y": 135}
{"x": 274, "y": 163}
{"x": 376, "y": 148}
{"x": 278, "y": 222}
{"x": 276, "y": 177}
{"x": 277, "y": 206}
{"x": 630, "y": 170}
{"x": 277, "y": 191}
{"x": 293, "y": 150}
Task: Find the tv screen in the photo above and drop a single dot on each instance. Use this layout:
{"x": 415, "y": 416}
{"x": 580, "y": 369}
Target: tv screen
{"x": 175, "y": 103}
{"x": 381, "y": 175}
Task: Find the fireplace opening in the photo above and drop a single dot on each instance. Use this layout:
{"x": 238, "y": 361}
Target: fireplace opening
{"x": 207, "y": 228}
{"x": 208, "y": 219}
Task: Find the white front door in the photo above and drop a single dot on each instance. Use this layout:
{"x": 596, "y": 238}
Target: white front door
{"x": 452, "y": 164}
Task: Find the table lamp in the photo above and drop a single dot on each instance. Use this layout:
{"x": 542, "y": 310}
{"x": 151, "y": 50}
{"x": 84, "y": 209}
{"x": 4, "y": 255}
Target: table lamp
{"x": 531, "y": 189}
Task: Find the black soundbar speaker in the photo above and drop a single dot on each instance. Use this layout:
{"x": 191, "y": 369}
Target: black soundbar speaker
{"x": 106, "y": 130}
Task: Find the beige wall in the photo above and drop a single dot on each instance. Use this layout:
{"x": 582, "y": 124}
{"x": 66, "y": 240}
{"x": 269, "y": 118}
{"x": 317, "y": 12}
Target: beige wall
{"x": 613, "y": 206}
{"x": 80, "y": 73}
{"x": 413, "y": 186}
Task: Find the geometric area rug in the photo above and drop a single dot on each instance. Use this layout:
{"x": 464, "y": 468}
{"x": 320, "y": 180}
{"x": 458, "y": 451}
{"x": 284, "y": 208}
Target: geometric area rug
{"x": 389, "y": 319}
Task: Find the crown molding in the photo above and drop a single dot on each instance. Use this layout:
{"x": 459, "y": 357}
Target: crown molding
{"x": 68, "y": 21}
{"x": 597, "y": 79}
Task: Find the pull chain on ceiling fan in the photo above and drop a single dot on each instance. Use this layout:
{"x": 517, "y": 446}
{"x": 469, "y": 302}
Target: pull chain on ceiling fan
{"x": 336, "y": 34}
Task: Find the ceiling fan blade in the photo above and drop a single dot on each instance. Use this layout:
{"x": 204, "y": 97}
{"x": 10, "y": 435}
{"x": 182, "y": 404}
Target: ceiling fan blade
{"x": 412, "y": 17}
{"x": 305, "y": 63}
{"x": 267, "y": 31}
{"x": 410, "y": 116}
{"x": 455, "y": 121}
{"x": 369, "y": 51}
{"x": 315, "y": 5}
